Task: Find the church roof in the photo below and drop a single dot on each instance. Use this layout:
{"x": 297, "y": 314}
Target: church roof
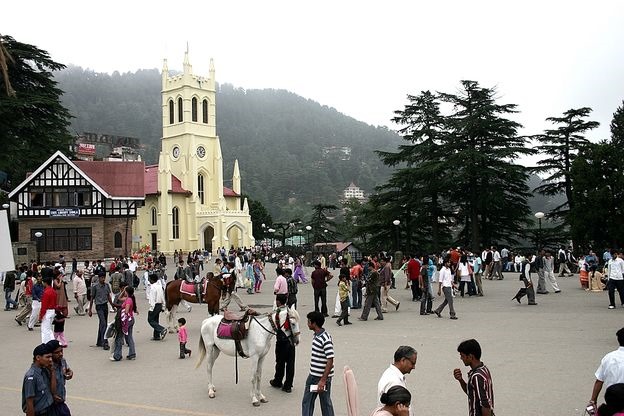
{"x": 151, "y": 182}
{"x": 228, "y": 192}
{"x": 118, "y": 179}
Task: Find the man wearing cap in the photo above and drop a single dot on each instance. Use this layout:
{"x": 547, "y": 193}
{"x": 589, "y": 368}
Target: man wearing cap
{"x": 38, "y": 383}
{"x": 60, "y": 369}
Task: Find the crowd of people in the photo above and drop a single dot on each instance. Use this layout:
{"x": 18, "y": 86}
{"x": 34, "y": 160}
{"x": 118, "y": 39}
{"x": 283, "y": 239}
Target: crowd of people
{"x": 364, "y": 284}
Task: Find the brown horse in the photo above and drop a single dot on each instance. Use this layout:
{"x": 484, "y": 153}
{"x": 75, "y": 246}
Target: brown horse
{"x": 173, "y": 297}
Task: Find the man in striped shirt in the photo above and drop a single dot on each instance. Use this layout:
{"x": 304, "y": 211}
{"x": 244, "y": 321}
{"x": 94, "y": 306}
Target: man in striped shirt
{"x": 319, "y": 380}
{"x": 479, "y": 386}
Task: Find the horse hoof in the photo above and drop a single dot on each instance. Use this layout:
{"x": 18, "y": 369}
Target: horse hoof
{"x": 211, "y": 395}
{"x": 264, "y": 400}
{"x": 256, "y": 404}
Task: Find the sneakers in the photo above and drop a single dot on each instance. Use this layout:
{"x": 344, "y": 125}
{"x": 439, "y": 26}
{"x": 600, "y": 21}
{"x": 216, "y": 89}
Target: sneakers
{"x": 453, "y": 317}
{"x": 163, "y": 334}
{"x": 611, "y": 307}
{"x": 112, "y": 358}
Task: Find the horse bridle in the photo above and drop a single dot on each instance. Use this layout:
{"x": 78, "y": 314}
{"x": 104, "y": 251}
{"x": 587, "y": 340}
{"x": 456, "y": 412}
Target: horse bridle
{"x": 273, "y": 325}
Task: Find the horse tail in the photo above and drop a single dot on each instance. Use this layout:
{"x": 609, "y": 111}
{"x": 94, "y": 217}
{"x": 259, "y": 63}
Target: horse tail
{"x": 202, "y": 350}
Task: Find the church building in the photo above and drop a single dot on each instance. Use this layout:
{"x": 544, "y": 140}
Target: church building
{"x": 186, "y": 205}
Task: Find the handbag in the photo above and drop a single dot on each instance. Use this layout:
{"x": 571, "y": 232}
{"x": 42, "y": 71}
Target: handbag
{"x": 111, "y": 330}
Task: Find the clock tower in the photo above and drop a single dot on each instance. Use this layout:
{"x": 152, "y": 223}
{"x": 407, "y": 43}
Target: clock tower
{"x": 192, "y": 209}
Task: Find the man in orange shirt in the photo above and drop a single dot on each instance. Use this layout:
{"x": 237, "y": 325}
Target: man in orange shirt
{"x": 356, "y": 273}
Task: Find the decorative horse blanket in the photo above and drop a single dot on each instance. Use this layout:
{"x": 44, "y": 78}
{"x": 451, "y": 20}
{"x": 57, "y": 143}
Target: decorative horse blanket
{"x": 189, "y": 288}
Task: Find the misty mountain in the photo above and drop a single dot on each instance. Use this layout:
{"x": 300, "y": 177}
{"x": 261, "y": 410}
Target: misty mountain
{"x": 293, "y": 152}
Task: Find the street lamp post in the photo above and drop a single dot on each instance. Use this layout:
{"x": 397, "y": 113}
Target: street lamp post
{"x": 308, "y": 229}
{"x": 271, "y": 230}
{"x": 38, "y": 235}
{"x": 396, "y": 228}
{"x": 300, "y": 231}
{"x": 539, "y": 215}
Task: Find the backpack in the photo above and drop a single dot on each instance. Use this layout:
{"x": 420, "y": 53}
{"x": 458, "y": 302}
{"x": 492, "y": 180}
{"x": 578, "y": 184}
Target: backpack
{"x": 292, "y": 286}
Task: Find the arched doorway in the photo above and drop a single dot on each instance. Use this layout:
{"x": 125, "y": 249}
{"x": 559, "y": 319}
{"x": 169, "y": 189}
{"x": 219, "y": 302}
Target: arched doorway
{"x": 208, "y": 236}
{"x": 235, "y": 236}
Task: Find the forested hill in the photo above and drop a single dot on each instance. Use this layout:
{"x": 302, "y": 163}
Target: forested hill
{"x": 292, "y": 151}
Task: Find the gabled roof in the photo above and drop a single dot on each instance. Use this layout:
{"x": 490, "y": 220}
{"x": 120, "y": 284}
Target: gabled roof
{"x": 151, "y": 182}
{"x": 105, "y": 180}
{"x": 121, "y": 179}
{"x": 228, "y": 192}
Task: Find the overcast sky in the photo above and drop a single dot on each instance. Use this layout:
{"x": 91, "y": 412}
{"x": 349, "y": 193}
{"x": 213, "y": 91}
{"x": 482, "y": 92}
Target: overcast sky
{"x": 361, "y": 57}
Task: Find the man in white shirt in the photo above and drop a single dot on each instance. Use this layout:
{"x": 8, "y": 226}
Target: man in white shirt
{"x": 404, "y": 362}
{"x": 497, "y": 268}
{"x": 611, "y": 370}
{"x": 156, "y": 299}
{"x": 616, "y": 278}
{"x": 80, "y": 293}
{"x": 445, "y": 284}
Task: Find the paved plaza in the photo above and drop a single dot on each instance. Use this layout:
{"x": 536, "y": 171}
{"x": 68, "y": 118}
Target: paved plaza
{"x": 542, "y": 357}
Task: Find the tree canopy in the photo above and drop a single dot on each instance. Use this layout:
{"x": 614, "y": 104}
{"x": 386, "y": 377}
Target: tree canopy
{"x": 33, "y": 122}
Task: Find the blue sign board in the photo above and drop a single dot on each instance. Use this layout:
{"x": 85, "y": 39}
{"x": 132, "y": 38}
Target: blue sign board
{"x": 64, "y": 212}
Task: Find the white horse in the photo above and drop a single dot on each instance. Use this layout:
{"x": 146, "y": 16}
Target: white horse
{"x": 256, "y": 346}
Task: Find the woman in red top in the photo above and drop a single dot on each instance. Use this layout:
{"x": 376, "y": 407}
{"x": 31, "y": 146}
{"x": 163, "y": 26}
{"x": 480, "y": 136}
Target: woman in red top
{"x": 48, "y": 306}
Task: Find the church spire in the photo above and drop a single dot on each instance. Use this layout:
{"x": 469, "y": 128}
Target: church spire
{"x": 188, "y": 69}
{"x": 236, "y": 178}
{"x": 165, "y": 73}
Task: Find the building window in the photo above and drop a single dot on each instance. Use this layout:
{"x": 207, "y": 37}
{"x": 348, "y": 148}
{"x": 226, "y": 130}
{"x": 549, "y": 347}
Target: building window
{"x": 180, "y": 110}
{"x": 171, "y": 112}
{"x": 194, "y": 109}
{"x": 200, "y": 188}
{"x": 175, "y": 218}
{"x": 63, "y": 239}
{"x": 60, "y": 197}
{"x": 205, "y": 111}
{"x": 154, "y": 216}
{"x": 118, "y": 243}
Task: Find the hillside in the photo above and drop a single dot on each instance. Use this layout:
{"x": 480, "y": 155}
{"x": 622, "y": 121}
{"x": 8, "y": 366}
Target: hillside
{"x": 292, "y": 151}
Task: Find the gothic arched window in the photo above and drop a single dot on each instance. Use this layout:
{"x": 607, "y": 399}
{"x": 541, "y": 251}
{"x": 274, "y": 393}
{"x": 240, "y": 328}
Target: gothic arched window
{"x": 200, "y": 188}
{"x": 194, "y": 109}
{"x": 171, "y": 112}
{"x": 180, "y": 110}
{"x": 205, "y": 111}
{"x": 175, "y": 220}
{"x": 154, "y": 216}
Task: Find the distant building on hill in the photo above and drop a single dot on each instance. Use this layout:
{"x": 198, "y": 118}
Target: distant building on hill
{"x": 340, "y": 152}
{"x": 353, "y": 192}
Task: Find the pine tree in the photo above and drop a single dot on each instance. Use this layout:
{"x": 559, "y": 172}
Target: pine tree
{"x": 596, "y": 218}
{"x": 33, "y": 123}
{"x": 560, "y": 146}
{"x": 417, "y": 188}
{"x": 489, "y": 188}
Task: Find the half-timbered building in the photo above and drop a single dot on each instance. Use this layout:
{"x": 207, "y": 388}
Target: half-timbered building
{"x": 82, "y": 209}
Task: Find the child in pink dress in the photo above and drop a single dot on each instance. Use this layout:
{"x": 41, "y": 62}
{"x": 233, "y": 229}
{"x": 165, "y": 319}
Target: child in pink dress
{"x": 182, "y": 338}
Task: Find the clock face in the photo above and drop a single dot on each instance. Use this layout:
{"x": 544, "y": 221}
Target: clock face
{"x": 176, "y": 152}
{"x": 201, "y": 151}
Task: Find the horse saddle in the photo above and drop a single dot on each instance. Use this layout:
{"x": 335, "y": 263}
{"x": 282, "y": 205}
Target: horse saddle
{"x": 234, "y": 326}
{"x": 189, "y": 288}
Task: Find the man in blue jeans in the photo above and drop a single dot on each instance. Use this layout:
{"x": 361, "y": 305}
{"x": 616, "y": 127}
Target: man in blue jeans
{"x": 319, "y": 380}
{"x": 101, "y": 295}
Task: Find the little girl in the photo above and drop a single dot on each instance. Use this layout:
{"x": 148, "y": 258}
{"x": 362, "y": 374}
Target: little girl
{"x": 59, "y": 327}
{"x": 182, "y": 338}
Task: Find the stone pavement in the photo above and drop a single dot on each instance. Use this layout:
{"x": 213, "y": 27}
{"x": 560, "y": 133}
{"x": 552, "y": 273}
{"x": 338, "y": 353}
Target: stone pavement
{"x": 542, "y": 357}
